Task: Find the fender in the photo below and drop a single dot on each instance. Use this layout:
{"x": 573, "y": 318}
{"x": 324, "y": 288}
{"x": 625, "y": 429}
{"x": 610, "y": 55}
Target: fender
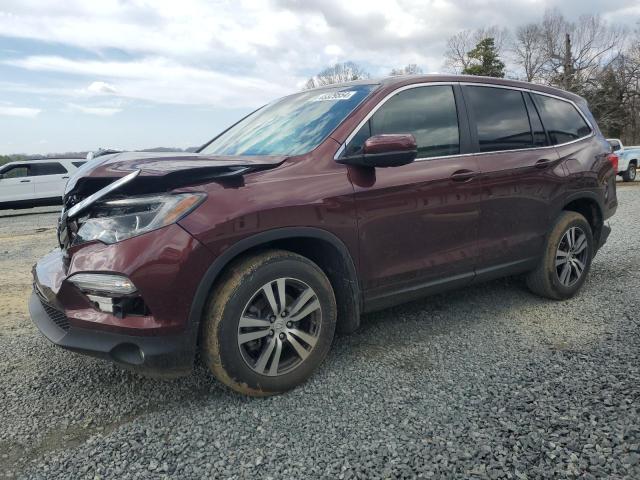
{"x": 351, "y": 301}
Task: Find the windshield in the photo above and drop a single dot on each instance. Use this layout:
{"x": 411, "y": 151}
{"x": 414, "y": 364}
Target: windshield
{"x": 292, "y": 125}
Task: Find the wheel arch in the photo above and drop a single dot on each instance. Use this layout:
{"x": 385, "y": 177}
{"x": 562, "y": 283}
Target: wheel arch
{"x": 588, "y": 205}
{"x": 320, "y": 246}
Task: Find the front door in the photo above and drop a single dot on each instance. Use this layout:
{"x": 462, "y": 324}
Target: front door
{"x": 15, "y": 184}
{"x": 417, "y": 223}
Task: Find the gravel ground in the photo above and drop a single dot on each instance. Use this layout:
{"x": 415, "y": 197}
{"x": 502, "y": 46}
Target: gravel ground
{"x": 487, "y": 382}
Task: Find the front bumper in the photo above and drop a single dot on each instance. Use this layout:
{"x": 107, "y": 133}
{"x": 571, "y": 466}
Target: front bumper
{"x": 154, "y": 356}
{"x": 166, "y": 266}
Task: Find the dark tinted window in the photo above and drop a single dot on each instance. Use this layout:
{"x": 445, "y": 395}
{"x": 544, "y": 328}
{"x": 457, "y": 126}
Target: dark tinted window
{"x": 501, "y": 118}
{"x": 16, "y": 171}
{"x": 78, "y": 164}
{"x": 429, "y": 113}
{"x": 53, "y": 168}
{"x": 561, "y": 119}
{"x": 539, "y": 137}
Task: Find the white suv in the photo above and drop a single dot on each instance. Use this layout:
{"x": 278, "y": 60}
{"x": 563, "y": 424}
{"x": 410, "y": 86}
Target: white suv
{"x": 35, "y": 182}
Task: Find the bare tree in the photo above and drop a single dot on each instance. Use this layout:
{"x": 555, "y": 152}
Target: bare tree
{"x": 529, "y": 52}
{"x": 459, "y": 45}
{"x": 338, "y": 73}
{"x": 576, "y": 52}
{"x": 410, "y": 69}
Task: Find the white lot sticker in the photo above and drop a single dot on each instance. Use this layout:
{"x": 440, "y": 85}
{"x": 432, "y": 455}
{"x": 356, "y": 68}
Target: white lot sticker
{"x": 333, "y": 96}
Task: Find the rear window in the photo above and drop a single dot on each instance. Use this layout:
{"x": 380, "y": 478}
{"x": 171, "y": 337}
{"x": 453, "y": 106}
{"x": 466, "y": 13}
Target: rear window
{"x": 561, "y": 119}
{"x": 615, "y": 145}
{"x": 53, "y": 168}
{"x": 501, "y": 118}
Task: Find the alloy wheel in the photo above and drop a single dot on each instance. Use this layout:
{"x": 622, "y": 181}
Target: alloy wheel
{"x": 572, "y": 256}
{"x": 279, "y": 326}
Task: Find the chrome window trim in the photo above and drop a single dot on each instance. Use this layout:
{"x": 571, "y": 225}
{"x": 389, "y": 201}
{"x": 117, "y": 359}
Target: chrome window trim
{"x": 472, "y": 84}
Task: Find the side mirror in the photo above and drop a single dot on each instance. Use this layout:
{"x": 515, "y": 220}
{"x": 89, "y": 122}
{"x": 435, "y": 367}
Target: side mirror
{"x": 390, "y": 150}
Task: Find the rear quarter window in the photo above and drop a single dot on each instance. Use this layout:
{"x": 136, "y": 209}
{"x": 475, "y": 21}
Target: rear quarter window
{"x": 561, "y": 119}
{"x": 78, "y": 164}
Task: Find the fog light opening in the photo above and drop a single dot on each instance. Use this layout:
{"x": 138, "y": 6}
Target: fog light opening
{"x": 127, "y": 353}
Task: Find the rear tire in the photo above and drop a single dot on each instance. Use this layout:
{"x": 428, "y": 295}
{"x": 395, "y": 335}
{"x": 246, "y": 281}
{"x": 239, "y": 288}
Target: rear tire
{"x": 270, "y": 323}
{"x": 629, "y": 175}
{"x": 567, "y": 257}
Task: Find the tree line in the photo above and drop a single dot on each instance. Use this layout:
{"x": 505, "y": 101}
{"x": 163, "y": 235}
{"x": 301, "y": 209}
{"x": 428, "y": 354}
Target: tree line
{"x": 590, "y": 57}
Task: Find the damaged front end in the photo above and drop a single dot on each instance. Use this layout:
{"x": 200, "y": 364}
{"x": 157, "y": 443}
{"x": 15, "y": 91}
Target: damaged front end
{"x": 133, "y": 184}
{"x": 121, "y": 284}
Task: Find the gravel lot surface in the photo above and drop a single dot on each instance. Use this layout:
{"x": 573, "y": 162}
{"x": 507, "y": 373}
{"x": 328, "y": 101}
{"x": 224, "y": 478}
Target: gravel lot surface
{"x": 488, "y": 382}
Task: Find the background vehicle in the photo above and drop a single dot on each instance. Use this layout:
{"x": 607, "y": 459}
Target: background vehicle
{"x": 628, "y": 158}
{"x": 322, "y": 205}
{"x": 35, "y": 183}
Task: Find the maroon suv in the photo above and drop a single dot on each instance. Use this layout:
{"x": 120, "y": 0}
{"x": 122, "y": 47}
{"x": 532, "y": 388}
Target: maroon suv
{"x": 316, "y": 208}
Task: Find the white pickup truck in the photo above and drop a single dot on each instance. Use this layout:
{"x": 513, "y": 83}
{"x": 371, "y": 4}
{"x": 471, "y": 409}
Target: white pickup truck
{"x": 628, "y": 159}
{"x": 33, "y": 183}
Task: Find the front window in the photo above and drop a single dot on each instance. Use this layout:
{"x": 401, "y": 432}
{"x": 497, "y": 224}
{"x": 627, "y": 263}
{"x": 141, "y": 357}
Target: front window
{"x": 16, "y": 171}
{"x": 292, "y": 125}
{"x": 428, "y": 113}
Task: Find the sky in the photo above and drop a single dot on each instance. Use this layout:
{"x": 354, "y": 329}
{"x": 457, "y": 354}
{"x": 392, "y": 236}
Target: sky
{"x": 77, "y": 75}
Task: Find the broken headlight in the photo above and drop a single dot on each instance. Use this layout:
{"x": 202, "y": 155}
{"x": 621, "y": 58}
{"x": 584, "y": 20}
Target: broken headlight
{"x": 115, "y": 220}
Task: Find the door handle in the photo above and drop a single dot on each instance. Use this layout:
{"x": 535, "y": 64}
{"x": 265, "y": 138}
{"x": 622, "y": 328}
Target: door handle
{"x": 544, "y": 163}
{"x": 463, "y": 175}
{"x": 65, "y": 177}
{"x": 25, "y": 181}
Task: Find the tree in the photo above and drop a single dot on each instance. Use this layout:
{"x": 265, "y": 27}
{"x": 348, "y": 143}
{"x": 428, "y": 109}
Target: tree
{"x": 484, "y": 60}
{"x": 576, "y": 52}
{"x": 528, "y": 51}
{"x": 459, "y": 45}
{"x": 338, "y": 73}
{"x": 410, "y": 69}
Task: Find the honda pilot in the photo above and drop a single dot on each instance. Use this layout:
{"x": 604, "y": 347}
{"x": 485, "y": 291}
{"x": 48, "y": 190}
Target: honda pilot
{"x": 315, "y": 209}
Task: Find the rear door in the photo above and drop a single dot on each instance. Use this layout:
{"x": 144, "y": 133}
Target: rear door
{"x": 49, "y": 179}
{"x": 521, "y": 175}
{"x": 15, "y": 183}
{"x": 418, "y": 223}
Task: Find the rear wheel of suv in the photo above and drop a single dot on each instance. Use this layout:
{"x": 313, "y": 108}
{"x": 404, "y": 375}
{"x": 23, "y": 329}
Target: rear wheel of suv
{"x": 567, "y": 258}
{"x": 629, "y": 175}
{"x": 270, "y": 323}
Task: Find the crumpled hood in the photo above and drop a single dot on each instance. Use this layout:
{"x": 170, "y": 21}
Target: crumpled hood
{"x": 181, "y": 166}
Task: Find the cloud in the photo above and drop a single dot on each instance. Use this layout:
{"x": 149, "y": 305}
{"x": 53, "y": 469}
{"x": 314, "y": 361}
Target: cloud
{"x": 25, "y": 112}
{"x": 101, "y": 87}
{"x": 161, "y": 80}
{"x": 100, "y": 111}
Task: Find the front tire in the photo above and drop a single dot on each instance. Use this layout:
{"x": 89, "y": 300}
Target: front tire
{"x": 629, "y": 175}
{"x": 270, "y": 323}
{"x": 567, "y": 257}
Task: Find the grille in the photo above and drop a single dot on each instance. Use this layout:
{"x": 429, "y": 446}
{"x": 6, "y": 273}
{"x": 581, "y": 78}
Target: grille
{"x": 58, "y": 317}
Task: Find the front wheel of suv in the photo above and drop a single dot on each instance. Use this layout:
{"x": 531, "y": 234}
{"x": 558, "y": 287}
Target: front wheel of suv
{"x": 567, "y": 258}
{"x": 270, "y": 323}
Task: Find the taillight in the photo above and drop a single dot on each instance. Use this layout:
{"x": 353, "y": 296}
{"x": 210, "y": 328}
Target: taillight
{"x": 613, "y": 158}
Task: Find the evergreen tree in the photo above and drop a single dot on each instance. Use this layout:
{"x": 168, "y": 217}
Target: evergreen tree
{"x": 485, "y": 60}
